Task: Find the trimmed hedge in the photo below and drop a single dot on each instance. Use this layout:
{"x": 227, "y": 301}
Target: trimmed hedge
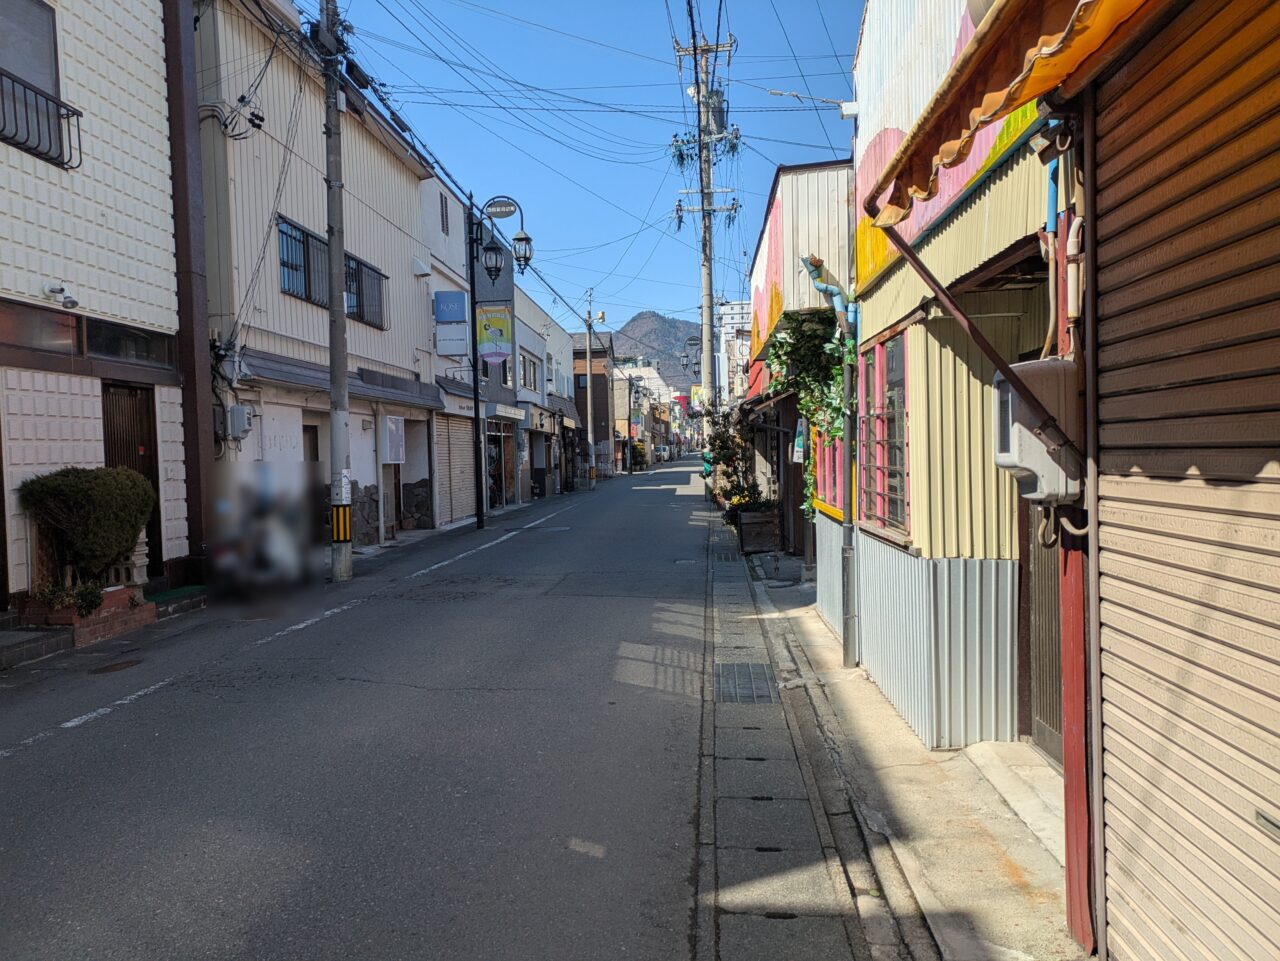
{"x": 94, "y": 515}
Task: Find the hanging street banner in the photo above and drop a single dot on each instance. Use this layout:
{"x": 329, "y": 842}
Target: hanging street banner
{"x": 493, "y": 322}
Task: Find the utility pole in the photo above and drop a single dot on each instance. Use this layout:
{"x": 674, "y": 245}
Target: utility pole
{"x": 474, "y": 231}
{"x": 330, "y": 43}
{"x": 591, "y": 421}
{"x": 710, "y": 128}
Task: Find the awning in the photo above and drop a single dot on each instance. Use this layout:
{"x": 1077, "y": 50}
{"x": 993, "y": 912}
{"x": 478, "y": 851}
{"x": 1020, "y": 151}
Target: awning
{"x": 1022, "y": 50}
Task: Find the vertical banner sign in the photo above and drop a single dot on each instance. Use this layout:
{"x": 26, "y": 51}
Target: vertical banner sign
{"x": 494, "y": 328}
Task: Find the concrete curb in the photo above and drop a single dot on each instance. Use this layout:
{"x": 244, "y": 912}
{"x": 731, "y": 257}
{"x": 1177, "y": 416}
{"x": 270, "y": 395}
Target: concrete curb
{"x": 893, "y": 919}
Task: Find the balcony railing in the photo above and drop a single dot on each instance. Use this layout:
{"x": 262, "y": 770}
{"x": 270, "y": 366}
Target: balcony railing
{"x": 38, "y": 123}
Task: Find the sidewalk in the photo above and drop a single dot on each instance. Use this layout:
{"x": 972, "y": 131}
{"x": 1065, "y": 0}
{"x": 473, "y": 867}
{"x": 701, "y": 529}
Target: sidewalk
{"x": 771, "y": 881}
{"x": 976, "y": 834}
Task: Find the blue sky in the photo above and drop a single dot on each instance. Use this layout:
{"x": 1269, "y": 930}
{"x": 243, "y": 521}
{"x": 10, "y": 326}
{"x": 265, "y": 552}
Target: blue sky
{"x": 570, "y": 107}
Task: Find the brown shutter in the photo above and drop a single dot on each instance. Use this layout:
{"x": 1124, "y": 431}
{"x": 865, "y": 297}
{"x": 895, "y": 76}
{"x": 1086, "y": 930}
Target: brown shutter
{"x": 1188, "y": 197}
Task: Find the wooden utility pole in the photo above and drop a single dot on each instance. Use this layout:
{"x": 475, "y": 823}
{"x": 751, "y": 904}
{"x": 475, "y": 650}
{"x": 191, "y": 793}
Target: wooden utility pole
{"x": 331, "y": 47}
{"x": 710, "y": 128}
{"x": 591, "y": 420}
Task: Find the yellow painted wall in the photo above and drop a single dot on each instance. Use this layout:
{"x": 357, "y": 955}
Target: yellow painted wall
{"x": 1005, "y": 209}
{"x": 961, "y": 504}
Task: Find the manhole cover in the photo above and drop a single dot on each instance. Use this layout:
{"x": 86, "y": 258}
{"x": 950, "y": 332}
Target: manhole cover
{"x": 746, "y": 683}
{"x": 117, "y": 666}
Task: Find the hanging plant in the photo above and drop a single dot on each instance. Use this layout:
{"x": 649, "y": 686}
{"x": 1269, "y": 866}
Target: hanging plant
{"x": 807, "y": 357}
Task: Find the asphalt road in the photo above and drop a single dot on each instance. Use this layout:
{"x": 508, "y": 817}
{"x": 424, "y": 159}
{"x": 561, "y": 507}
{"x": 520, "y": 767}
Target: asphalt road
{"x": 494, "y": 759}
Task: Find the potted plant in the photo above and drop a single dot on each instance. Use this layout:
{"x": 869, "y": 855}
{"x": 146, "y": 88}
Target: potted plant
{"x": 91, "y": 518}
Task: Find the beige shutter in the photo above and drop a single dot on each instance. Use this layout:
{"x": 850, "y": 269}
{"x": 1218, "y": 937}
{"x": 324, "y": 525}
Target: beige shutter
{"x": 462, "y": 471}
{"x": 1188, "y": 197}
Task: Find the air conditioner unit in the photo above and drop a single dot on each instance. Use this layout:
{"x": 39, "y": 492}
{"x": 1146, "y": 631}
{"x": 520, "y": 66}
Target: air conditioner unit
{"x": 1043, "y": 476}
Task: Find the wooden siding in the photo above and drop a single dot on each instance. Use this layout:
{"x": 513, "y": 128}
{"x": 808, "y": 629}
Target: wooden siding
{"x": 383, "y": 208}
{"x": 961, "y": 504}
{"x": 106, "y": 228}
{"x": 1189, "y": 516}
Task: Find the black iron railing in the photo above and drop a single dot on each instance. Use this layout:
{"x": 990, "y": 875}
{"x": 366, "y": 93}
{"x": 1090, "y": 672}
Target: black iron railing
{"x": 38, "y": 123}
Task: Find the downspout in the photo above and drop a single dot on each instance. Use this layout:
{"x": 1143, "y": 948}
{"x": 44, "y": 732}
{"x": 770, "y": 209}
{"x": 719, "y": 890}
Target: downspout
{"x": 848, "y": 317}
{"x": 1094, "y": 666}
{"x": 1047, "y": 428}
{"x": 1051, "y": 257}
{"x": 379, "y": 473}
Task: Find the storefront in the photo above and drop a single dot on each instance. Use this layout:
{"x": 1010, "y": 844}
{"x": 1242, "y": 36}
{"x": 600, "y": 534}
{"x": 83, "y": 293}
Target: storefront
{"x": 501, "y": 455}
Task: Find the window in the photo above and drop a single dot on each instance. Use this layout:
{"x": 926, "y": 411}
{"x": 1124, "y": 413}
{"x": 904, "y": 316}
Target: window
{"x": 828, "y": 477}
{"x": 528, "y": 373}
{"x": 444, "y": 213}
{"x": 105, "y": 339}
{"x": 32, "y": 118}
{"x": 304, "y": 273}
{"x": 582, "y": 381}
{"x": 883, "y": 436}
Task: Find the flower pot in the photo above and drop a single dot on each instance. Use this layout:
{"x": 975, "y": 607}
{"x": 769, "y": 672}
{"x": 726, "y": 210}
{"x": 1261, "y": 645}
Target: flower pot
{"x": 759, "y": 532}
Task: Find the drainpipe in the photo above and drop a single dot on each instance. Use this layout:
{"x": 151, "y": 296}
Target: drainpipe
{"x": 1047, "y": 429}
{"x": 378, "y": 471}
{"x": 1051, "y": 256}
{"x": 848, "y": 317}
{"x": 1094, "y": 636}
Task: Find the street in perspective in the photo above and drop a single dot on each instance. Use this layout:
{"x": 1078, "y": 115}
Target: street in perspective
{"x": 717, "y": 481}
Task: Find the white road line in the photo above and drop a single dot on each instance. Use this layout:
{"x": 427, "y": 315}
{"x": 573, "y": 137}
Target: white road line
{"x": 484, "y": 547}
{"x": 301, "y": 625}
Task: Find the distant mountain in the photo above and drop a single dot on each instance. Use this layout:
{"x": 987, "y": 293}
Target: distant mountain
{"x": 660, "y": 340}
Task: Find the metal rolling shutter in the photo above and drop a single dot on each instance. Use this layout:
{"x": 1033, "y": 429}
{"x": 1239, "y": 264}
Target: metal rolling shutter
{"x": 1188, "y": 198}
{"x": 457, "y": 469}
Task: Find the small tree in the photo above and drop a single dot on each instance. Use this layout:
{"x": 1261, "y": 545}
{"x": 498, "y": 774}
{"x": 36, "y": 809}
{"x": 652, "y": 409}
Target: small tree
{"x": 92, "y": 515}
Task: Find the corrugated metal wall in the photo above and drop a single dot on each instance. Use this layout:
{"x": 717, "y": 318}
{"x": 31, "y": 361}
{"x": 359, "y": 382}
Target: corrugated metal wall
{"x": 1188, "y": 187}
{"x": 815, "y": 220}
{"x": 830, "y": 566}
{"x": 895, "y": 613}
{"x": 976, "y": 633}
{"x": 1009, "y": 206}
{"x": 939, "y": 638}
{"x": 961, "y": 504}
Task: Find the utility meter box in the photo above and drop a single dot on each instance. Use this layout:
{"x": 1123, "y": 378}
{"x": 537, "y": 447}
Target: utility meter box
{"x": 233, "y": 422}
{"x": 1043, "y": 476}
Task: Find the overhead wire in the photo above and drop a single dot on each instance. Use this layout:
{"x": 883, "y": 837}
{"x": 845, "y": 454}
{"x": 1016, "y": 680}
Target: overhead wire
{"x": 805, "y": 80}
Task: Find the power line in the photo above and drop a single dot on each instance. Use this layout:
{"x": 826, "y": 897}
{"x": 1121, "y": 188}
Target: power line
{"x": 805, "y": 80}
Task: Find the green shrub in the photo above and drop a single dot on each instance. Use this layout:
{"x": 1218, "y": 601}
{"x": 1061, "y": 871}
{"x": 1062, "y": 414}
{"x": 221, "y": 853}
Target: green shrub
{"x": 85, "y": 598}
{"x": 93, "y": 515}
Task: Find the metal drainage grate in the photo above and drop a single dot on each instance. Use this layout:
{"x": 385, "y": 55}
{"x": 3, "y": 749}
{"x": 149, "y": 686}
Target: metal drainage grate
{"x": 728, "y": 556}
{"x": 746, "y": 683}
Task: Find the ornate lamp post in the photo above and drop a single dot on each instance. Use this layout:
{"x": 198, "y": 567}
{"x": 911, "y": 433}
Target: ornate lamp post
{"x": 494, "y": 259}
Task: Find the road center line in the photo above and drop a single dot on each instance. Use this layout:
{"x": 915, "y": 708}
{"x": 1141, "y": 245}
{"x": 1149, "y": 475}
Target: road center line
{"x": 484, "y": 547}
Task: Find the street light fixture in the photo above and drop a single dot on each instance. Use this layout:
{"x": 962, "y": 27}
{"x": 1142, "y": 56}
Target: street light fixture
{"x": 493, "y": 259}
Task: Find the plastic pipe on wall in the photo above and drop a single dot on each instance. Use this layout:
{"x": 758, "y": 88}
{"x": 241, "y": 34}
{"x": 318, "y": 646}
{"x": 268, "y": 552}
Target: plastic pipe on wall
{"x": 849, "y": 320}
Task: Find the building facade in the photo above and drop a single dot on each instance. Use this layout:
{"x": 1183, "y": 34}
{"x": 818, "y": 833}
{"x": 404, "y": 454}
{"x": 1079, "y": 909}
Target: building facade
{"x": 268, "y": 295}
{"x": 96, "y": 305}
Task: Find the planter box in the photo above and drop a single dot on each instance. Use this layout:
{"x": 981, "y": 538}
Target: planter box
{"x": 759, "y": 532}
{"x": 116, "y": 616}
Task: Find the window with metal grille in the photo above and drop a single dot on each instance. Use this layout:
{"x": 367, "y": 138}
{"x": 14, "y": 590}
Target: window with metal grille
{"x": 293, "y": 260}
{"x": 444, "y": 214}
{"x": 883, "y": 436}
{"x": 304, "y": 273}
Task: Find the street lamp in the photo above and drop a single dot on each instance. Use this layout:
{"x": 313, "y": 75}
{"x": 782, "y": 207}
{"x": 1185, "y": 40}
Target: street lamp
{"x": 494, "y": 260}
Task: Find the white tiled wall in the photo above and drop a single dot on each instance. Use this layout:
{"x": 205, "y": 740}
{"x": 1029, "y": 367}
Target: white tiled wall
{"x": 50, "y": 421}
{"x": 106, "y": 228}
{"x": 173, "y": 471}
